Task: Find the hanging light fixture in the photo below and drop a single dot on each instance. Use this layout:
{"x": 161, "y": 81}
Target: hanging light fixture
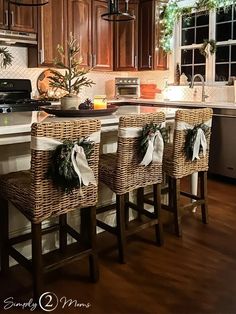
{"x": 115, "y": 15}
{"x": 32, "y": 4}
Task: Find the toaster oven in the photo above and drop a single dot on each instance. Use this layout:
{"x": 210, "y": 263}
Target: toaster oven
{"x": 127, "y": 87}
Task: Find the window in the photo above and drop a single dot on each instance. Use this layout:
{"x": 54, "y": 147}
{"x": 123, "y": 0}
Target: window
{"x": 194, "y": 29}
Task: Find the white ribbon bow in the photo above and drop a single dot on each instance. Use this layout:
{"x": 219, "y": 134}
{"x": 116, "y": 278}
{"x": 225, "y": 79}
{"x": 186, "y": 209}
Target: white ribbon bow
{"x": 78, "y": 157}
{"x": 200, "y": 139}
{"x": 155, "y": 149}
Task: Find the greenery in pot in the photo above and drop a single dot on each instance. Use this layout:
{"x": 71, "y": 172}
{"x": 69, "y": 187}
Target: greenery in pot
{"x": 6, "y": 57}
{"x": 75, "y": 76}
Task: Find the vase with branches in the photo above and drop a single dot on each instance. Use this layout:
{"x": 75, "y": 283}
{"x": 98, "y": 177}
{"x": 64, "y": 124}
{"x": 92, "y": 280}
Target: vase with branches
{"x": 74, "y": 77}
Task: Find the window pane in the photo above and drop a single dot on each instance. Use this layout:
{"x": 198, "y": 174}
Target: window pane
{"x": 233, "y": 69}
{"x": 187, "y": 70}
{"x": 234, "y": 31}
{"x": 224, "y": 14}
{"x": 186, "y": 56}
{"x": 198, "y": 57}
{"x": 233, "y": 53}
{"x": 200, "y": 69}
{"x": 234, "y": 12}
{"x": 223, "y": 32}
{"x": 222, "y": 54}
{"x": 201, "y": 34}
{"x": 187, "y": 37}
{"x": 222, "y": 72}
{"x": 202, "y": 18}
{"x": 188, "y": 20}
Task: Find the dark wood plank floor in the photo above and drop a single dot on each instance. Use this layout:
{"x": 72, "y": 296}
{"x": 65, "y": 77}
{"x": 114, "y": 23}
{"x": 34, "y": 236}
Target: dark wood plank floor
{"x": 192, "y": 275}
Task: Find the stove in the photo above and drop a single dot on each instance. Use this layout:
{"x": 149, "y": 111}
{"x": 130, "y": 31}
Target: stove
{"x": 15, "y": 96}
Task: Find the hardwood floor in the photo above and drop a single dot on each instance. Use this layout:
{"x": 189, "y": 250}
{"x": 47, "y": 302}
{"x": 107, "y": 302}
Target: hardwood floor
{"x": 192, "y": 275}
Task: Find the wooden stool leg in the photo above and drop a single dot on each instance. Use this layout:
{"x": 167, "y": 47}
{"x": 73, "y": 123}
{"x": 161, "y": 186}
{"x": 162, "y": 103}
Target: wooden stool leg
{"x": 120, "y": 219}
{"x": 170, "y": 193}
{"x": 203, "y": 192}
{"x": 157, "y": 211}
{"x": 88, "y": 237}
{"x": 176, "y": 207}
{"x": 37, "y": 260}
{"x": 126, "y": 210}
{"x": 4, "y": 234}
{"x": 140, "y": 202}
{"x": 62, "y": 232}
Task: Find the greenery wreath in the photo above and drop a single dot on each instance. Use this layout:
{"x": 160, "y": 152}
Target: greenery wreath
{"x": 147, "y": 131}
{"x": 5, "y": 57}
{"x": 61, "y": 169}
{"x": 203, "y": 49}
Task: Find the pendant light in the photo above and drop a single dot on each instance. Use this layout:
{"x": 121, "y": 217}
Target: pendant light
{"x": 24, "y": 4}
{"x": 115, "y": 15}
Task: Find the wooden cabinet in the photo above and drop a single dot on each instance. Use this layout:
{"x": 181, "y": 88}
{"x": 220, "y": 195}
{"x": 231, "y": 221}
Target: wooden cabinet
{"x": 52, "y": 28}
{"x": 102, "y": 38}
{"x": 126, "y": 41}
{"x": 151, "y": 56}
{"x": 17, "y": 17}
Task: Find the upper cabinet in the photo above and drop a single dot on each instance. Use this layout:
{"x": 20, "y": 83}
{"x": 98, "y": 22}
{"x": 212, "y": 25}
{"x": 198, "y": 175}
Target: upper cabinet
{"x": 126, "y": 41}
{"x": 151, "y": 56}
{"x": 18, "y": 17}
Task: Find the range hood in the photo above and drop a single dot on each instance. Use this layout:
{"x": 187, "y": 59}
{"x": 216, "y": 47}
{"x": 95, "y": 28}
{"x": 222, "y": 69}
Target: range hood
{"x": 8, "y": 37}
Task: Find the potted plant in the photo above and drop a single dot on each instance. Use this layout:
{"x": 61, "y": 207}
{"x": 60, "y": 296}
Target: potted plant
{"x": 73, "y": 78}
{"x": 5, "y": 57}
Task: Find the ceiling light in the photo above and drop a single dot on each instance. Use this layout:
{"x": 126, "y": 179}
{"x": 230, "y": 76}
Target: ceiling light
{"x": 115, "y": 15}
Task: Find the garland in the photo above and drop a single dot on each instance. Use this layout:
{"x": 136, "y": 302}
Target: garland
{"x": 191, "y": 138}
{"x": 147, "y": 131}
{"x": 5, "y": 57}
{"x": 61, "y": 170}
{"x": 208, "y": 46}
{"x": 171, "y": 12}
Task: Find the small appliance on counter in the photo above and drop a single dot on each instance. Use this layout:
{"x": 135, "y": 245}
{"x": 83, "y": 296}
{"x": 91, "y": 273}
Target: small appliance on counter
{"x": 15, "y": 96}
{"x": 127, "y": 87}
{"x": 148, "y": 91}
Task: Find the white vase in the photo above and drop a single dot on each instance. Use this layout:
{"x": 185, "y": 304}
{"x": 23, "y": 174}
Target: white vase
{"x": 70, "y": 102}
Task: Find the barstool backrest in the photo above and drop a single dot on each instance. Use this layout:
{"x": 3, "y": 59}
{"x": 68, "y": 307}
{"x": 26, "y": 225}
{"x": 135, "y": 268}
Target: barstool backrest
{"x": 47, "y": 199}
{"x": 184, "y": 120}
{"x": 130, "y": 174}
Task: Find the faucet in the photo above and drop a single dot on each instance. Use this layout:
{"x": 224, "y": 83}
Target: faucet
{"x": 204, "y": 96}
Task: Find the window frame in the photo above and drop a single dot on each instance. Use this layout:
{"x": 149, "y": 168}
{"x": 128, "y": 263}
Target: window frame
{"x": 210, "y": 61}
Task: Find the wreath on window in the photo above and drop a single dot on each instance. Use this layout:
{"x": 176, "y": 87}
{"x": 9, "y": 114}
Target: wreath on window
{"x": 208, "y": 47}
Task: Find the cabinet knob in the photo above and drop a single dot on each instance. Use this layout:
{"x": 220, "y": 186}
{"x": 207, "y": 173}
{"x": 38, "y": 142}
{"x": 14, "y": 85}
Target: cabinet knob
{"x": 41, "y": 56}
{"x": 149, "y": 61}
{"x": 94, "y": 60}
{"x": 135, "y": 62}
{"x": 12, "y": 19}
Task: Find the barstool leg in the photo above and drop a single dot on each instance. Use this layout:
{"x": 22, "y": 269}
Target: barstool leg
{"x": 203, "y": 192}
{"x": 120, "y": 219}
{"x": 126, "y": 210}
{"x": 4, "y": 231}
{"x": 157, "y": 212}
{"x": 88, "y": 237}
{"x": 62, "y": 232}
{"x": 176, "y": 207}
{"x": 140, "y": 202}
{"x": 37, "y": 260}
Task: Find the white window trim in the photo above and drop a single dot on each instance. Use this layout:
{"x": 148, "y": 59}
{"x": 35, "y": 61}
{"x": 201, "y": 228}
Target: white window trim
{"x": 210, "y": 61}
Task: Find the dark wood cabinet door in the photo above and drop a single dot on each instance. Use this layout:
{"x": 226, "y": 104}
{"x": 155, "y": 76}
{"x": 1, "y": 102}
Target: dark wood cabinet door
{"x": 102, "y": 35}
{"x": 23, "y": 18}
{"x": 3, "y": 14}
{"x": 126, "y": 41}
{"x": 146, "y": 35}
{"x": 79, "y": 23}
{"x": 52, "y": 30}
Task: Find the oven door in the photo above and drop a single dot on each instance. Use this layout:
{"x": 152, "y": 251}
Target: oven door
{"x": 130, "y": 91}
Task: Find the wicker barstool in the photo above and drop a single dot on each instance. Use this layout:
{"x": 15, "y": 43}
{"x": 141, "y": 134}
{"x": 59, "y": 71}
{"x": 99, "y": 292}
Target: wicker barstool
{"x": 37, "y": 198}
{"x": 122, "y": 173}
{"x": 177, "y": 166}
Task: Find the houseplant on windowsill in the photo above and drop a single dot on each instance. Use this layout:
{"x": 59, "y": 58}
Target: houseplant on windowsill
{"x": 73, "y": 78}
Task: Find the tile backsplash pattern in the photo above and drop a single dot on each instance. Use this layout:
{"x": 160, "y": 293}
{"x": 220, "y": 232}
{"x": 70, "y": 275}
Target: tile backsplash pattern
{"x": 105, "y": 81}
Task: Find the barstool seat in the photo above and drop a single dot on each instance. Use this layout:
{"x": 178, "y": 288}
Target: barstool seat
{"x": 123, "y": 174}
{"x": 188, "y": 154}
{"x": 38, "y": 198}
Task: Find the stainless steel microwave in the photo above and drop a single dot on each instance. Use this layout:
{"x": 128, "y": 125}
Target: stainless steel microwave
{"x": 127, "y": 87}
